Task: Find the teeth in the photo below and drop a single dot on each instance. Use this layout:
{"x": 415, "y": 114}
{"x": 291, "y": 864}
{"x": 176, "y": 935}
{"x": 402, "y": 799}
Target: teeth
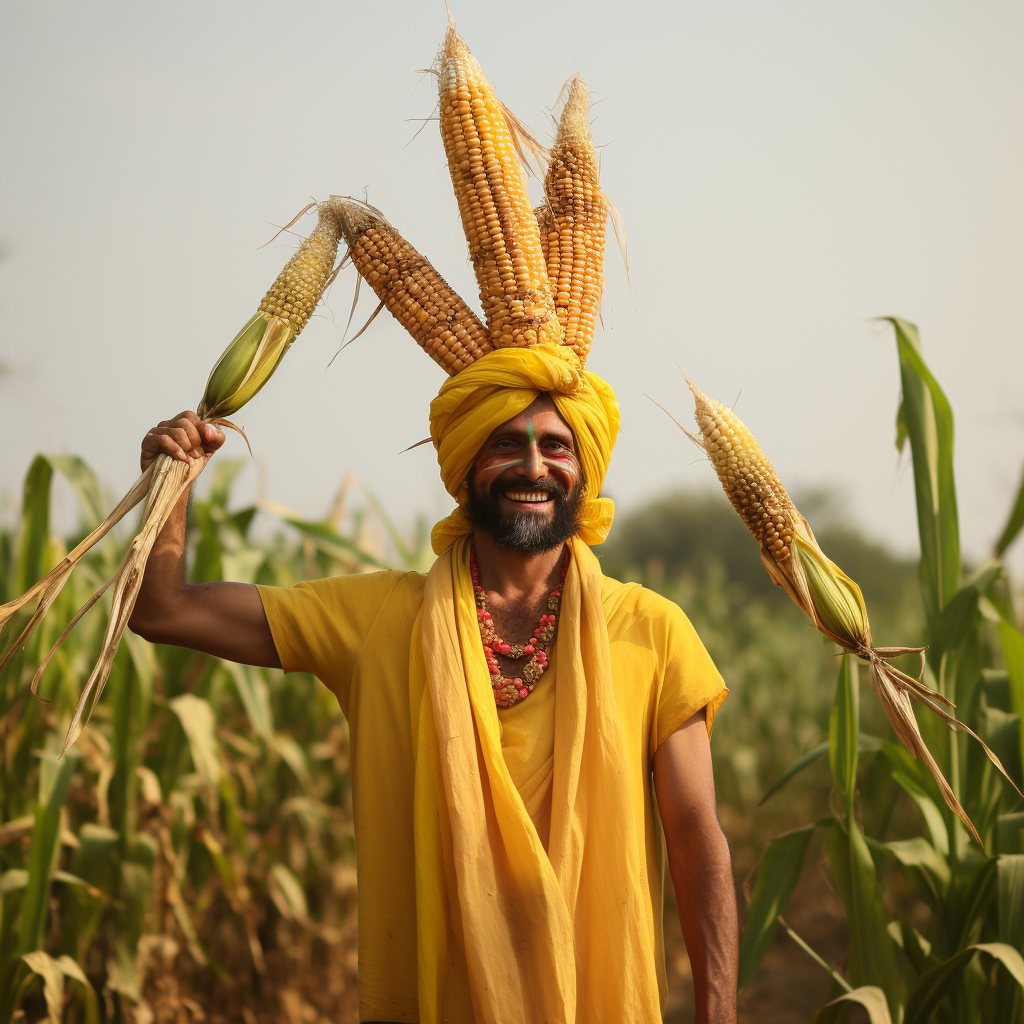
{"x": 527, "y": 496}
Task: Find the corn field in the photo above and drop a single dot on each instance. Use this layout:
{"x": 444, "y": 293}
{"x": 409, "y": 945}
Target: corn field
{"x": 192, "y": 857}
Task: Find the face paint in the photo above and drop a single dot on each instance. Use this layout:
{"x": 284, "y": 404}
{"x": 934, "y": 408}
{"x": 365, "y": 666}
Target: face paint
{"x": 544, "y": 459}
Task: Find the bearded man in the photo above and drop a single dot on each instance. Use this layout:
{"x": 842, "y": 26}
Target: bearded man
{"x": 509, "y": 849}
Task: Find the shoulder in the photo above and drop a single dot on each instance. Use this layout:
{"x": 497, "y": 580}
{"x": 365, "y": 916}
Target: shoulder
{"x": 633, "y": 609}
{"x": 352, "y": 594}
{"x": 363, "y": 586}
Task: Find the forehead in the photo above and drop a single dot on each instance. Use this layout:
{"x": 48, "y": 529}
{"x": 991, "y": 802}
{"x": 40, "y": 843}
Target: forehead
{"x": 541, "y": 415}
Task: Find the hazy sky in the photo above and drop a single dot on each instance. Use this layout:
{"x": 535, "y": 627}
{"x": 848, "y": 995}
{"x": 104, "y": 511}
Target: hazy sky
{"x": 786, "y": 172}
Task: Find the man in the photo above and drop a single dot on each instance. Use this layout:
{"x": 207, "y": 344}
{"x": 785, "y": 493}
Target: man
{"x": 509, "y": 856}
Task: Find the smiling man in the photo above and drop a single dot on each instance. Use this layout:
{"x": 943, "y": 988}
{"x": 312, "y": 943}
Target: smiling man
{"x": 517, "y": 722}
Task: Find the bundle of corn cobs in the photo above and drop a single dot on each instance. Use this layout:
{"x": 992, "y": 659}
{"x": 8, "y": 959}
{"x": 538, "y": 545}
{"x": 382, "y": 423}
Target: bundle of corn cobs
{"x": 540, "y": 278}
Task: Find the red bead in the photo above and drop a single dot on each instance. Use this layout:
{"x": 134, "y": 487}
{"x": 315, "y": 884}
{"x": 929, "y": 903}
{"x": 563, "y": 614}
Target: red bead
{"x": 529, "y": 649}
{"x": 524, "y": 692}
{"x": 517, "y": 682}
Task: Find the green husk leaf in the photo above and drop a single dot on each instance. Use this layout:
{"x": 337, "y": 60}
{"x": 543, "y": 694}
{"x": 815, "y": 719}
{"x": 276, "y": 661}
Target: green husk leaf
{"x": 246, "y": 365}
{"x": 837, "y": 601}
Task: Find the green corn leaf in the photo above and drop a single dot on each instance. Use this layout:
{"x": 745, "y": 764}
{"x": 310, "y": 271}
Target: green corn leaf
{"x": 916, "y": 947}
{"x": 43, "y": 857}
{"x": 35, "y": 522}
{"x": 932, "y": 987}
{"x": 12, "y": 880}
{"x": 287, "y": 893}
{"x": 960, "y": 615}
{"x": 327, "y": 538}
{"x": 53, "y": 972}
{"x": 925, "y": 869}
{"x": 776, "y": 879}
{"x": 927, "y": 421}
{"x": 1013, "y": 524}
{"x": 872, "y": 953}
{"x": 1013, "y": 657}
{"x": 843, "y": 729}
{"x": 915, "y": 781}
{"x": 901, "y": 428}
{"x": 977, "y": 902}
{"x": 294, "y": 756}
{"x": 255, "y": 697}
{"x": 408, "y": 557}
{"x": 865, "y": 745}
{"x": 200, "y": 725}
{"x": 802, "y": 762}
{"x": 1010, "y": 832}
{"x": 35, "y": 509}
{"x": 85, "y": 485}
{"x": 1010, "y": 886}
{"x": 871, "y": 997}
{"x": 44, "y": 966}
{"x": 1002, "y": 733}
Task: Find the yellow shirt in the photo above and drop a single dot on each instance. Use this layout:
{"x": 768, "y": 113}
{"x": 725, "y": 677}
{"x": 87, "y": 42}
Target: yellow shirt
{"x": 354, "y": 632}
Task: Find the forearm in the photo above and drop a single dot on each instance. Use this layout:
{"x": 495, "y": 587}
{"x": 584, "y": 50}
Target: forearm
{"x": 701, "y": 869}
{"x": 222, "y": 619}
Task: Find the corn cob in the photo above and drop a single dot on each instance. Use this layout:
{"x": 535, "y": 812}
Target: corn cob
{"x": 490, "y": 186}
{"x": 297, "y": 290}
{"x": 411, "y": 289}
{"x": 250, "y": 360}
{"x": 833, "y": 602}
{"x": 572, "y": 224}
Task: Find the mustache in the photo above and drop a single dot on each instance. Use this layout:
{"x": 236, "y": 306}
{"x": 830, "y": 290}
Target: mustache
{"x": 551, "y": 487}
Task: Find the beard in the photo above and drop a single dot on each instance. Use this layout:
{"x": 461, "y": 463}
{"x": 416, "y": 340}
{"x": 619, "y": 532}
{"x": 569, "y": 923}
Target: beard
{"x": 524, "y": 531}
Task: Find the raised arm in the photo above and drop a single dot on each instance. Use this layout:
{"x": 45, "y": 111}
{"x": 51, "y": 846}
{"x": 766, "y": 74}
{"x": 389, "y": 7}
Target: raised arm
{"x": 223, "y": 619}
{"x": 701, "y": 867}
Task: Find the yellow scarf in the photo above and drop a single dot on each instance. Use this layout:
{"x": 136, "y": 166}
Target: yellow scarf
{"x": 553, "y": 937}
{"x": 550, "y": 937}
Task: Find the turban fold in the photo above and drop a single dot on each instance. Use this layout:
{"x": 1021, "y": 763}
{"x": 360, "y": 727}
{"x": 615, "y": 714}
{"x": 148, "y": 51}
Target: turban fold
{"x": 496, "y": 388}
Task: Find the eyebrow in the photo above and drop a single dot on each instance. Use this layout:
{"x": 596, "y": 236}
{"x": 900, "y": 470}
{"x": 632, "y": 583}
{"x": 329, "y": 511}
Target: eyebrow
{"x": 547, "y": 435}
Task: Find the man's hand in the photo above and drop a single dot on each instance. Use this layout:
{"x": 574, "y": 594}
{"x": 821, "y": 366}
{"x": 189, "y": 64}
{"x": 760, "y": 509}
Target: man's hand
{"x": 223, "y": 619}
{"x": 698, "y": 856}
{"x": 184, "y": 437}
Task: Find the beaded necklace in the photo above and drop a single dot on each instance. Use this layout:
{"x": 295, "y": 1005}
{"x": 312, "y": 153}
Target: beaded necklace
{"x": 511, "y": 691}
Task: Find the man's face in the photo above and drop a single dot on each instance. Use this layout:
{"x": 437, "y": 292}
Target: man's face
{"x": 526, "y": 486}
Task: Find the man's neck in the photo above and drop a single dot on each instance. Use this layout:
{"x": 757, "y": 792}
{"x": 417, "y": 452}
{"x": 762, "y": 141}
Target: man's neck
{"x": 516, "y": 576}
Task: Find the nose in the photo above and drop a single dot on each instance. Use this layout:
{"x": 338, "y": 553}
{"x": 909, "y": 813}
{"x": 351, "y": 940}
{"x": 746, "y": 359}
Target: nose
{"x": 533, "y": 466}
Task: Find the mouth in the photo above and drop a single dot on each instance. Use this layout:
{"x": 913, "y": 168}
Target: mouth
{"x": 529, "y": 499}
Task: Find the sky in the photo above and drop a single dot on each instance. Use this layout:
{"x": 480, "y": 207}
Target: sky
{"x": 786, "y": 172}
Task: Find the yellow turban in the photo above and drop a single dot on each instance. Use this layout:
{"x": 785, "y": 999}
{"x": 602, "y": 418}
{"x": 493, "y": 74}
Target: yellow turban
{"x": 496, "y": 388}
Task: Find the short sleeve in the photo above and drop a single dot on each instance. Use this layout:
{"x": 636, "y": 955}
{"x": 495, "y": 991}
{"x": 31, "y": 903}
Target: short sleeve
{"x": 320, "y": 626}
{"x": 689, "y": 679}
